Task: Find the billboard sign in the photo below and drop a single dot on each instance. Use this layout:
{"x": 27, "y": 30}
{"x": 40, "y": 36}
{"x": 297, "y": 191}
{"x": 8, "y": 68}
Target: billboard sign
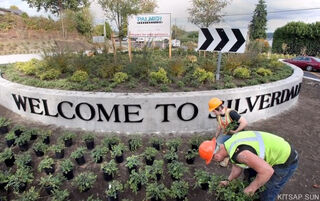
{"x": 149, "y": 25}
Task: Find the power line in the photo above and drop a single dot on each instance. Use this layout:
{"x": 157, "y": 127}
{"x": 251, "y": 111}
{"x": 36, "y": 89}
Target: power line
{"x": 279, "y": 11}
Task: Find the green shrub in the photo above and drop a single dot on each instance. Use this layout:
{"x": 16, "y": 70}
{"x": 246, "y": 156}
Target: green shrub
{"x": 28, "y": 68}
{"x": 108, "y": 71}
{"x": 176, "y": 67}
{"x": 79, "y": 76}
{"x": 30, "y": 195}
{"x": 50, "y": 74}
{"x": 159, "y": 77}
{"x": 201, "y": 75}
{"x": 264, "y": 72}
{"x": 84, "y": 181}
{"x": 120, "y": 77}
{"x": 242, "y": 72}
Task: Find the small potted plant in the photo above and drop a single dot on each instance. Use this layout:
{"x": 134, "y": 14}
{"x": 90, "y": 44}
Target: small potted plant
{"x": 109, "y": 170}
{"x": 150, "y": 154}
{"x": 10, "y": 138}
{"x": 191, "y": 155}
{"x": 18, "y": 181}
{"x": 195, "y": 141}
{"x": 118, "y": 152}
{"x": 4, "y": 179}
{"x": 91, "y": 198}
{"x": 173, "y": 144}
{"x": 4, "y": 124}
{"x": 171, "y": 156}
{"x": 179, "y": 190}
{"x": 156, "y": 192}
{"x": 111, "y": 141}
{"x": 132, "y": 163}
{"x": 51, "y": 182}
{"x": 136, "y": 180}
{"x": 30, "y": 195}
{"x": 58, "y": 150}
{"x": 18, "y": 130}
{"x": 114, "y": 188}
{"x": 89, "y": 140}
{"x": 24, "y": 160}
{"x": 156, "y": 142}
{"x": 202, "y": 179}
{"x": 22, "y": 141}
{"x": 67, "y": 138}
{"x": 177, "y": 170}
{"x": 44, "y": 136}
{"x": 40, "y": 148}
{"x": 135, "y": 143}
{"x": 47, "y": 164}
{"x": 66, "y": 167}
{"x": 60, "y": 195}
{"x": 8, "y": 157}
{"x": 84, "y": 181}
{"x": 78, "y": 155}
{"x": 98, "y": 153}
{"x": 33, "y": 133}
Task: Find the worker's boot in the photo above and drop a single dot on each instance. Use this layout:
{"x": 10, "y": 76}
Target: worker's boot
{"x": 225, "y": 162}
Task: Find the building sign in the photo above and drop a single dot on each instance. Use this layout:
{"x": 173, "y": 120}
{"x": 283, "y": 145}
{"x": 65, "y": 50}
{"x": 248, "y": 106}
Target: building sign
{"x": 98, "y": 39}
{"x": 149, "y": 25}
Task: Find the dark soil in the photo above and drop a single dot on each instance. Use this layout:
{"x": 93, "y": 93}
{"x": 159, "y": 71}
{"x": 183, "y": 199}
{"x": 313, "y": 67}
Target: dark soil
{"x": 299, "y": 125}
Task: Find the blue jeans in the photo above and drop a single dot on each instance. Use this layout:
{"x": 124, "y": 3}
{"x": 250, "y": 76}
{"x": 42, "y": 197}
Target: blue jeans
{"x": 277, "y": 182}
{"x": 222, "y": 138}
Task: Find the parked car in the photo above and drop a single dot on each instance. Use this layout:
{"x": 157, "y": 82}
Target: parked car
{"x": 305, "y": 62}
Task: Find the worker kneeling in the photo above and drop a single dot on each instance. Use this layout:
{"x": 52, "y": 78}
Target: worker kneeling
{"x": 267, "y": 157}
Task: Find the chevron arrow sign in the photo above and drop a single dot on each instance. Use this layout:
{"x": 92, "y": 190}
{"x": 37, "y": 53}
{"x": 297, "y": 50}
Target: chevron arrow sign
{"x": 222, "y": 40}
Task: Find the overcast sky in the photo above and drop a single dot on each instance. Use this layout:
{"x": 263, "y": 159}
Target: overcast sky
{"x": 239, "y": 12}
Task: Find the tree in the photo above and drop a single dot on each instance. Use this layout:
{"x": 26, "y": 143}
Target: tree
{"x": 177, "y": 32}
{"x": 58, "y": 6}
{"x": 258, "y": 25}
{"x": 206, "y": 12}
{"x": 83, "y": 21}
{"x": 119, "y": 10}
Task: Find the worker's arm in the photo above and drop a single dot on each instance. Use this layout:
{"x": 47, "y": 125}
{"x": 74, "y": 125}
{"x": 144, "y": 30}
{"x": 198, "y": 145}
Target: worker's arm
{"x": 263, "y": 169}
{"x": 218, "y": 131}
{"x": 242, "y": 124}
{"x": 235, "y": 173}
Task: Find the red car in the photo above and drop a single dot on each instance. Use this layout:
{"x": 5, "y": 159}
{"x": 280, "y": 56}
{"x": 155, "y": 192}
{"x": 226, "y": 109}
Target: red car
{"x": 305, "y": 62}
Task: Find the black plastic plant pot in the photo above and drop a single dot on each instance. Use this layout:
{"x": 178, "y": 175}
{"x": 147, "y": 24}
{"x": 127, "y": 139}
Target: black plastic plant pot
{"x": 39, "y": 153}
{"x": 132, "y": 168}
{"x": 139, "y": 186}
{"x": 107, "y": 177}
{"x": 180, "y": 199}
{"x": 48, "y": 189}
{"x": 111, "y": 198}
{"x": 156, "y": 146}
{"x": 158, "y": 177}
{"x": 173, "y": 178}
{"x": 204, "y": 186}
{"x": 24, "y": 147}
{"x": 18, "y": 132}
{"x": 190, "y": 160}
{"x": 9, "y": 162}
{"x": 155, "y": 199}
{"x": 49, "y": 170}
{"x": 59, "y": 154}
{"x": 90, "y": 144}
{"x": 3, "y": 185}
{"x": 4, "y": 130}
{"x": 149, "y": 161}
{"x": 169, "y": 161}
{"x": 46, "y": 140}
{"x": 68, "y": 142}
{"x": 111, "y": 145}
{"x": 119, "y": 159}
{"x": 100, "y": 160}
{"x": 86, "y": 189}
{"x": 10, "y": 142}
{"x": 81, "y": 160}
{"x": 29, "y": 164}
{"x": 22, "y": 187}
{"x": 193, "y": 146}
{"x": 33, "y": 137}
{"x": 69, "y": 175}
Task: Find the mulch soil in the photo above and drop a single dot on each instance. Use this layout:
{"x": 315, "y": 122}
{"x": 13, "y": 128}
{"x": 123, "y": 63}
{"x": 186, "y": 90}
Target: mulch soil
{"x": 298, "y": 125}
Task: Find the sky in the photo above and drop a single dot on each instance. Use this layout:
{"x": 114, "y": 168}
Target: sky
{"x": 238, "y": 12}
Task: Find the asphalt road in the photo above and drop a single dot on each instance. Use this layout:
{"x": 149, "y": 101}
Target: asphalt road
{"x": 312, "y": 75}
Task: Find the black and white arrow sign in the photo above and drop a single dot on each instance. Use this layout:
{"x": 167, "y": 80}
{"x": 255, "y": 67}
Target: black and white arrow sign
{"x": 222, "y": 40}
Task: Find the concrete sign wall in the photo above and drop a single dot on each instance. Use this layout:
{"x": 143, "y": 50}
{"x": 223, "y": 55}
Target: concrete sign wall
{"x": 181, "y": 112}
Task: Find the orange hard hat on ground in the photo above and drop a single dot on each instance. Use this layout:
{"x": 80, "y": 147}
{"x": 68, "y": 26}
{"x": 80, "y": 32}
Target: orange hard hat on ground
{"x": 206, "y": 150}
{"x": 214, "y": 103}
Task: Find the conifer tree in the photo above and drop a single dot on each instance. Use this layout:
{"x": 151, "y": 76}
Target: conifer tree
{"x": 258, "y": 25}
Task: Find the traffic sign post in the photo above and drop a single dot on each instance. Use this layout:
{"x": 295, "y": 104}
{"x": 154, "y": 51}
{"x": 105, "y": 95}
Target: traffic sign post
{"x": 222, "y": 40}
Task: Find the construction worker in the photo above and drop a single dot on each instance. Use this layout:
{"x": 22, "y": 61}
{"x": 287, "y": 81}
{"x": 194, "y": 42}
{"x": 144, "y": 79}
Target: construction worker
{"x": 272, "y": 159}
{"x": 225, "y": 117}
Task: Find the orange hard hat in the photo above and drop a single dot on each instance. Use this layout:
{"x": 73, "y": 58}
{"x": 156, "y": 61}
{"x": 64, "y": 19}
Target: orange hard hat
{"x": 206, "y": 150}
{"x": 214, "y": 103}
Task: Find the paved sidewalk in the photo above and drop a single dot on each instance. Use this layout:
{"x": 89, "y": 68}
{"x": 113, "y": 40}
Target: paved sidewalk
{"x": 6, "y": 59}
